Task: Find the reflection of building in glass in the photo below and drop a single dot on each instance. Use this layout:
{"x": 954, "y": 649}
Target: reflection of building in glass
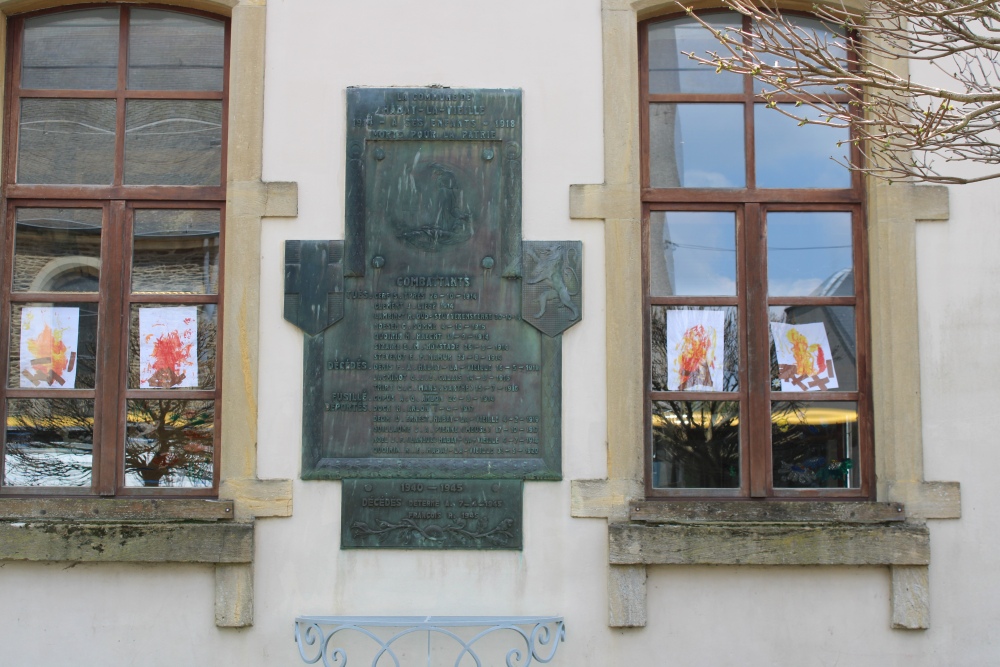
{"x": 815, "y": 444}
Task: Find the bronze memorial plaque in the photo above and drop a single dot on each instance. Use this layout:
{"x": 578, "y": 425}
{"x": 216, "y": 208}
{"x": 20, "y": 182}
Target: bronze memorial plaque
{"x": 433, "y": 333}
{"x": 431, "y": 514}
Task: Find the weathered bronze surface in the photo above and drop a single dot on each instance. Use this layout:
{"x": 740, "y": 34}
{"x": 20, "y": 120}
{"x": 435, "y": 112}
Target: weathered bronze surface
{"x": 551, "y": 291}
{"x": 431, "y": 514}
{"x": 314, "y": 284}
{"x": 433, "y": 364}
{"x": 432, "y": 372}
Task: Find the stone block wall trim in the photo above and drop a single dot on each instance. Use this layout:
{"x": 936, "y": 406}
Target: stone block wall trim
{"x": 234, "y": 595}
{"x": 626, "y": 596}
{"x": 893, "y": 211}
{"x": 911, "y": 606}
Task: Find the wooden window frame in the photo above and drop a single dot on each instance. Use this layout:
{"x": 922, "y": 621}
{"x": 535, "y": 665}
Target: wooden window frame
{"x": 115, "y": 296}
{"x": 750, "y": 205}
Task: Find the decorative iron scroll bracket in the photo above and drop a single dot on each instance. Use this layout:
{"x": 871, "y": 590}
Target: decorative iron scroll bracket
{"x": 523, "y": 640}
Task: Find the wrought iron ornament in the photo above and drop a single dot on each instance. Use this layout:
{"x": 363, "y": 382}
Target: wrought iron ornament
{"x": 520, "y": 640}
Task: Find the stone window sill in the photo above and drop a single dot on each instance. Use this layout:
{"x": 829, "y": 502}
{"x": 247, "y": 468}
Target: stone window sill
{"x": 123, "y": 530}
{"x": 768, "y": 533}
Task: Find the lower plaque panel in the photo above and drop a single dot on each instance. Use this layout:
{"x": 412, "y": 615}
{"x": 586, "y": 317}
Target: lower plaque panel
{"x": 431, "y": 514}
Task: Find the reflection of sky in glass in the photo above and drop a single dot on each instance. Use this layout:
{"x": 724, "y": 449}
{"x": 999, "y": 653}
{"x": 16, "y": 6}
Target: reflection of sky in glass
{"x": 805, "y": 249}
{"x": 699, "y": 253}
{"x": 670, "y": 71}
{"x": 696, "y": 146}
{"x": 793, "y": 156}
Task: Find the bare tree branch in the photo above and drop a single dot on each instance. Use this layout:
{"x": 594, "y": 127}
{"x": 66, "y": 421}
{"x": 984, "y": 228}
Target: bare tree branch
{"x": 905, "y": 130}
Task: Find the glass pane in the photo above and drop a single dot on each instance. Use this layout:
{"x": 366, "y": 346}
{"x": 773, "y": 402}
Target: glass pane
{"x": 670, "y": 71}
{"x": 75, "y": 50}
{"x": 172, "y": 346}
{"x": 53, "y": 346}
{"x": 809, "y": 254}
{"x": 57, "y": 250}
{"x": 817, "y": 351}
{"x": 50, "y": 442}
{"x": 815, "y": 445}
{"x": 694, "y": 348}
{"x": 810, "y": 30}
{"x": 794, "y": 156}
{"x": 696, "y": 444}
{"x": 176, "y": 251}
{"x": 173, "y": 51}
{"x": 66, "y": 142}
{"x": 698, "y": 256}
{"x": 696, "y": 146}
{"x": 169, "y": 443}
{"x": 173, "y": 142}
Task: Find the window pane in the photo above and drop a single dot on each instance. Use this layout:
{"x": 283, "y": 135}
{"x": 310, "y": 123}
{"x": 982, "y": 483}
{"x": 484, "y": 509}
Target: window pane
{"x": 810, "y": 30}
{"x": 71, "y": 50}
{"x": 696, "y": 444}
{"x": 66, "y": 142}
{"x": 809, "y": 254}
{"x": 176, "y": 251}
{"x": 692, "y": 253}
{"x": 57, "y": 250}
{"x": 694, "y": 348}
{"x": 173, "y": 142}
{"x": 794, "y": 156}
{"x": 815, "y": 445}
{"x": 169, "y": 443}
{"x": 172, "y": 346}
{"x": 818, "y": 348}
{"x": 696, "y": 146}
{"x": 173, "y": 51}
{"x": 50, "y": 442}
{"x": 670, "y": 71}
{"x": 53, "y": 346}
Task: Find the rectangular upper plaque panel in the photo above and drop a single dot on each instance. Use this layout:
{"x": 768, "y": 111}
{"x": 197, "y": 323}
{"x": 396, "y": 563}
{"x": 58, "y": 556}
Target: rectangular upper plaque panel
{"x": 431, "y": 514}
{"x": 432, "y": 372}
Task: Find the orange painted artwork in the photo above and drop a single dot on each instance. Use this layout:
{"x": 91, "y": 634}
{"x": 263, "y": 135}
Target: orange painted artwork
{"x": 805, "y": 362}
{"x": 48, "y": 349}
{"x": 168, "y": 348}
{"x": 695, "y": 344}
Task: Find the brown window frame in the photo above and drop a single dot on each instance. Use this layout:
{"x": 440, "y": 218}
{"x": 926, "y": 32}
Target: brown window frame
{"x": 114, "y": 296}
{"x": 750, "y": 204}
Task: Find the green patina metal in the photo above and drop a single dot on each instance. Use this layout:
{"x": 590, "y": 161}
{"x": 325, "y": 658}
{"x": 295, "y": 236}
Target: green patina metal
{"x": 428, "y": 356}
{"x": 431, "y": 514}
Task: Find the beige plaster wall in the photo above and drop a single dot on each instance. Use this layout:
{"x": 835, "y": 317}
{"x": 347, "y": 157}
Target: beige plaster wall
{"x": 712, "y": 616}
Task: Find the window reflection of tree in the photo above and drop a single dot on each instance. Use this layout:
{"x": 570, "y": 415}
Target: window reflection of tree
{"x": 696, "y": 442}
{"x": 170, "y": 442}
{"x": 809, "y": 455}
{"x": 49, "y": 442}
